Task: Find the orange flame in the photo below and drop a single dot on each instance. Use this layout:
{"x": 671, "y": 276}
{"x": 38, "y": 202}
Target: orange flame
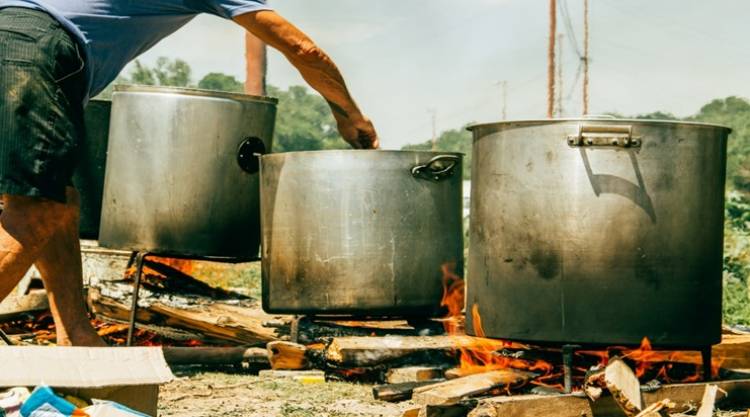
{"x": 482, "y": 356}
{"x": 658, "y": 362}
{"x": 478, "y": 354}
{"x": 186, "y": 266}
{"x": 453, "y": 299}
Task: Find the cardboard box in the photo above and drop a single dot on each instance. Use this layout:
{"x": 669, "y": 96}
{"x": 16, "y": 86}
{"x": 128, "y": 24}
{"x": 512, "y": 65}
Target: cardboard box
{"x": 129, "y": 376}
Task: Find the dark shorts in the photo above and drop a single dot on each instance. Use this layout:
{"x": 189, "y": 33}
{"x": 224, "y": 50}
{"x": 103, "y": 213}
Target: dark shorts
{"x": 41, "y": 104}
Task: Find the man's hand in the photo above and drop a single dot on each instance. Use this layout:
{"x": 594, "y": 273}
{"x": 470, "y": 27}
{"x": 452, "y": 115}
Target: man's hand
{"x": 359, "y": 133}
{"x": 317, "y": 69}
{"x": 356, "y": 129}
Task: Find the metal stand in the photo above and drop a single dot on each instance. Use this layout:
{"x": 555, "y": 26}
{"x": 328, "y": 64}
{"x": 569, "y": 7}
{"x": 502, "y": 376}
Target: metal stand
{"x": 568, "y": 351}
{"x": 5, "y": 338}
{"x": 139, "y": 258}
{"x": 706, "y": 354}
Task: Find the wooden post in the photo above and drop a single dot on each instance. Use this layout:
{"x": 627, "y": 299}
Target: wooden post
{"x": 255, "y": 65}
{"x": 585, "y": 57}
{"x": 560, "y": 75}
{"x": 551, "y": 59}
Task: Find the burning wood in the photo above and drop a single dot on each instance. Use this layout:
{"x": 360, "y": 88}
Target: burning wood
{"x": 287, "y": 355}
{"x": 400, "y": 391}
{"x": 451, "y": 392}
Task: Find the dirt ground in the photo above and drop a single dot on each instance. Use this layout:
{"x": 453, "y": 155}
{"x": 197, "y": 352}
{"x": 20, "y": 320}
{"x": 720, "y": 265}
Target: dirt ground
{"x": 212, "y": 393}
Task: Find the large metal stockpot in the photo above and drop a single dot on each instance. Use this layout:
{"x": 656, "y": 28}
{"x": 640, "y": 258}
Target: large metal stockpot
{"x": 88, "y": 177}
{"x": 182, "y": 171}
{"x": 598, "y": 231}
{"x": 359, "y": 232}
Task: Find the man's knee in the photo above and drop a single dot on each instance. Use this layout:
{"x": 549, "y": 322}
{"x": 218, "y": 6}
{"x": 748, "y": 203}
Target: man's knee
{"x": 37, "y": 217}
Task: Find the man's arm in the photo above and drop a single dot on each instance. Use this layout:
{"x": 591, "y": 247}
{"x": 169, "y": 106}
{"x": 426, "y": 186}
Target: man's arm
{"x": 317, "y": 69}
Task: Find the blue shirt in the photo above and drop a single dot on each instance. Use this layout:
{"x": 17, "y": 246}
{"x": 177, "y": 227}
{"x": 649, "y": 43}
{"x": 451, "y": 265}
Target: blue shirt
{"x": 114, "y": 32}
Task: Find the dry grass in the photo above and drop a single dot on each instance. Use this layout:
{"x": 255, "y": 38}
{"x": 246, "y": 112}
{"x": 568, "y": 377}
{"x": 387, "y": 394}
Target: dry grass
{"x": 227, "y": 395}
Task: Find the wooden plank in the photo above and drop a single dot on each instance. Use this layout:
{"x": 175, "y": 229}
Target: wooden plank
{"x": 401, "y": 391}
{"x": 733, "y": 352}
{"x": 683, "y": 395}
{"x": 708, "y": 402}
{"x": 451, "y": 392}
{"x": 411, "y": 412}
{"x": 624, "y": 387}
{"x": 241, "y": 325}
{"x": 413, "y": 374}
{"x": 371, "y": 351}
{"x": 287, "y": 355}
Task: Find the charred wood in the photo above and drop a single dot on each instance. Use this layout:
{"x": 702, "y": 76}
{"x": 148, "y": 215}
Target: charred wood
{"x": 401, "y": 391}
{"x": 451, "y": 392}
{"x": 215, "y": 356}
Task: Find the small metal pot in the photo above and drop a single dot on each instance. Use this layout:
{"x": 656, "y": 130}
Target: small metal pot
{"x": 359, "y": 232}
{"x": 182, "y": 172}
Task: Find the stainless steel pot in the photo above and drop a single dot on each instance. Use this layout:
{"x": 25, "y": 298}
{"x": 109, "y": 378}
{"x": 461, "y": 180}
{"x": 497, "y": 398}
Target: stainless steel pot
{"x": 182, "y": 171}
{"x": 598, "y": 231}
{"x": 88, "y": 177}
{"x": 359, "y": 232}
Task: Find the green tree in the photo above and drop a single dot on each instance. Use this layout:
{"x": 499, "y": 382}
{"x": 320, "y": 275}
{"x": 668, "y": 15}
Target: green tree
{"x": 457, "y": 140}
{"x": 174, "y": 73}
{"x": 142, "y": 74}
{"x": 166, "y": 72}
{"x": 304, "y": 122}
{"x": 657, "y": 115}
{"x": 735, "y": 113}
{"x": 221, "y": 82}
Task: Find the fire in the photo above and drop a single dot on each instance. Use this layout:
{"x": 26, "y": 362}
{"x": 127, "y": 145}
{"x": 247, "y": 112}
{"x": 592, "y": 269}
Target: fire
{"x": 477, "y": 354}
{"x": 657, "y": 364}
{"x": 483, "y": 357}
{"x": 185, "y": 266}
{"x": 453, "y": 299}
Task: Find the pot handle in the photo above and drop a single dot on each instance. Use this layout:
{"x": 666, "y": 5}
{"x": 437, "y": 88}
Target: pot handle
{"x": 433, "y": 171}
{"x": 619, "y": 136}
{"x": 248, "y": 152}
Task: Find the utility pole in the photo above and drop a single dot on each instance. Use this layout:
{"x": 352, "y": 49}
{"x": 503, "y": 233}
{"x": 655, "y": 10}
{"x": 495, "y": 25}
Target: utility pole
{"x": 585, "y": 57}
{"x": 504, "y": 96}
{"x": 560, "y": 75}
{"x": 433, "y": 115}
{"x": 551, "y": 59}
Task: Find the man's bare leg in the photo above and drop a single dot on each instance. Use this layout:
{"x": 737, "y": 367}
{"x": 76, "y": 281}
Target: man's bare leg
{"x": 59, "y": 262}
{"x": 26, "y": 225}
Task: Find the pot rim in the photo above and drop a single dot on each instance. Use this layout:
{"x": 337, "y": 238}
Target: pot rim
{"x": 362, "y": 152}
{"x": 536, "y": 122}
{"x": 198, "y": 92}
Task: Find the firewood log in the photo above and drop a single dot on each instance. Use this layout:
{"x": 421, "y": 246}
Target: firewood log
{"x": 451, "y": 392}
{"x": 287, "y": 355}
{"x": 401, "y": 391}
{"x": 624, "y": 387}
{"x": 214, "y": 355}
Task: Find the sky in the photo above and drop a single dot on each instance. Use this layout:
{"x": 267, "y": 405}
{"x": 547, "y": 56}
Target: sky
{"x": 405, "y": 59}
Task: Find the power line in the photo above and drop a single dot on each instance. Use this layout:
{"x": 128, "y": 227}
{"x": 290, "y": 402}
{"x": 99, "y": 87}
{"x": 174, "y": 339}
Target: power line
{"x": 569, "y": 26}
